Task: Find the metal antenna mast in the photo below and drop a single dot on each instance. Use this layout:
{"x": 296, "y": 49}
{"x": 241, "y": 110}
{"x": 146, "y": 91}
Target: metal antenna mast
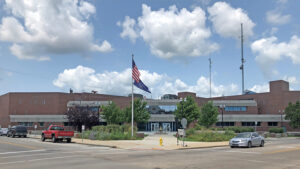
{"x": 209, "y": 77}
{"x": 243, "y": 61}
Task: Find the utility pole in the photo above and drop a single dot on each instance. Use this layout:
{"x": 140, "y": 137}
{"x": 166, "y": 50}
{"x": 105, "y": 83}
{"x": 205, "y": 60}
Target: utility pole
{"x": 209, "y": 77}
{"x": 243, "y": 61}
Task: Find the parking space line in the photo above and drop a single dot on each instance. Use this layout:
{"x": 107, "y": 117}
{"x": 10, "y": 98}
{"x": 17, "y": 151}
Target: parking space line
{"x": 15, "y": 152}
{"x": 39, "y": 159}
{"x": 283, "y": 150}
{"x": 246, "y": 152}
{"x": 19, "y": 145}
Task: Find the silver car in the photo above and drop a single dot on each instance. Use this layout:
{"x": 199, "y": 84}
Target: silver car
{"x": 247, "y": 139}
{"x": 3, "y": 131}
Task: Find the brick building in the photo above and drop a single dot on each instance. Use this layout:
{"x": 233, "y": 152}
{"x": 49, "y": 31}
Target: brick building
{"x": 260, "y": 110}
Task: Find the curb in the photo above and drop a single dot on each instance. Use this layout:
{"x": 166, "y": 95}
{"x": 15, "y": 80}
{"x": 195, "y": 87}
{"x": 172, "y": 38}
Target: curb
{"x": 202, "y": 147}
{"x": 98, "y": 145}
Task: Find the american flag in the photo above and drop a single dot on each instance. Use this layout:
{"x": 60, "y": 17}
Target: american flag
{"x": 135, "y": 72}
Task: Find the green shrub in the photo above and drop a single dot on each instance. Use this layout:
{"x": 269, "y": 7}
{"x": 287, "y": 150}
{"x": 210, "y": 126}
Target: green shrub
{"x": 209, "y": 136}
{"x": 109, "y": 132}
{"x": 237, "y": 129}
{"x": 199, "y": 127}
{"x": 190, "y": 131}
{"x": 276, "y": 130}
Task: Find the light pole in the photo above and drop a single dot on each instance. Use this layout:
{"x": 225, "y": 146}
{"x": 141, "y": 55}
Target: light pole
{"x": 222, "y": 106}
{"x": 281, "y": 112}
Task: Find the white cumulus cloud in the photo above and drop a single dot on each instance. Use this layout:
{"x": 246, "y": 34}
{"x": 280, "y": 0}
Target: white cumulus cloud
{"x": 37, "y": 29}
{"x": 227, "y": 20}
{"x": 119, "y": 83}
{"x": 277, "y": 18}
{"x": 171, "y": 33}
{"x": 269, "y": 51}
{"x": 260, "y": 88}
{"x": 291, "y": 79}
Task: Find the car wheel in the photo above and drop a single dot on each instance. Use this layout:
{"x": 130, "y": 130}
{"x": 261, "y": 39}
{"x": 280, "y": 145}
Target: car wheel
{"x": 231, "y": 146}
{"x": 43, "y": 138}
{"x": 68, "y": 140}
{"x": 53, "y": 139}
{"x": 25, "y": 136}
{"x": 249, "y": 144}
{"x": 262, "y": 143}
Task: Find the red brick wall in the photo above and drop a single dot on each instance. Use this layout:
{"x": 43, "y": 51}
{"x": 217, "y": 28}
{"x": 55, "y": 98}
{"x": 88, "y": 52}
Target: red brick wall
{"x": 4, "y": 111}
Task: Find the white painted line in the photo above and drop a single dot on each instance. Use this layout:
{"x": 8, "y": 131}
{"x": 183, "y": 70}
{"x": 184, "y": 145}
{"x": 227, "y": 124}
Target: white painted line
{"x": 256, "y": 161}
{"x": 242, "y": 152}
{"x": 40, "y": 159}
{"x": 16, "y": 156}
{"x": 16, "y": 152}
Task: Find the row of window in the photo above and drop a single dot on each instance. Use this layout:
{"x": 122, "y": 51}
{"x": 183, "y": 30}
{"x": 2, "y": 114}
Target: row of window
{"x": 235, "y": 108}
{"x": 246, "y": 124}
{"x": 30, "y": 124}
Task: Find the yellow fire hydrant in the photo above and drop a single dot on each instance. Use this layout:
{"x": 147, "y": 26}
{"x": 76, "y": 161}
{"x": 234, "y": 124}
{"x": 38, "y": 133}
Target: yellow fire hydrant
{"x": 161, "y": 142}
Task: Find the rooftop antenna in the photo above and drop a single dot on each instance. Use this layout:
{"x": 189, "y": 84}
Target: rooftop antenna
{"x": 243, "y": 61}
{"x": 209, "y": 77}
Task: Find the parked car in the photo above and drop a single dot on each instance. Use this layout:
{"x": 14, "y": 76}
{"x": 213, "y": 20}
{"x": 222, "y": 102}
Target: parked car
{"x": 247, "y": 139}
{"x": 20, "y": 131}
{"x": 3, "y": 131}
{"x": 56, "y": 133}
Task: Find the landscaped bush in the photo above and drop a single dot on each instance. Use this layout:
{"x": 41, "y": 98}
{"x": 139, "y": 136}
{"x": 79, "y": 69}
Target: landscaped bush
{"x": 110, "y": 132}
{"x": 237, "y": 129}
{"x": 190, "y": 131}
{"x": 276, "y": 130}
{"x": 210, "y": 136}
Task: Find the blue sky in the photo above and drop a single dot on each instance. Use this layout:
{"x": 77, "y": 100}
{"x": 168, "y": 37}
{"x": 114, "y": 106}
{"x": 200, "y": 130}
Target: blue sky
{"x": 49, "y": 46}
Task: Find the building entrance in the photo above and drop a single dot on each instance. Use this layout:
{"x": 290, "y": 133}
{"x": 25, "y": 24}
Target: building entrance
{"x": 154, "y": 126}
{"x": 166, "y": 127}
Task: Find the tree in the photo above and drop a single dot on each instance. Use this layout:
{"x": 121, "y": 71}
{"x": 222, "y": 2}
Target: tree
{"x": 141, "y": 114}
{"x": 188, "y": 109}
{"x": 209, "y": 115}
{"x": 293, "y": 114}
{"x": 79, "y": 116}
{"x": 112, "y": 114}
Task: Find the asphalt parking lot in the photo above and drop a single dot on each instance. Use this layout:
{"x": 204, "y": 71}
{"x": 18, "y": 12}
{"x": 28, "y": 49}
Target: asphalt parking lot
{"x": 28, "y": 153}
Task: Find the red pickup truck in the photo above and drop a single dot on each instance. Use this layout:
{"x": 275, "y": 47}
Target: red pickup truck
{"x": 56, "y": 133}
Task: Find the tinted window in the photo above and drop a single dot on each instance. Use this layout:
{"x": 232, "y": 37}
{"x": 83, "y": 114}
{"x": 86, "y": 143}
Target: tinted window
{"x": 243, "y": 135}
{"x": 21, "y": 129}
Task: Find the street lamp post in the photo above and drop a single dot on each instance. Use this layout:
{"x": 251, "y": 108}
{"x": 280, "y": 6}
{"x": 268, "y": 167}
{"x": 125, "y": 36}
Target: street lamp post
{"x": 222, "y": 107}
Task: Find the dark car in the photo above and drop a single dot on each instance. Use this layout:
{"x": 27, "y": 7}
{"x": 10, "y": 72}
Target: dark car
{"x": 17, "y": 131}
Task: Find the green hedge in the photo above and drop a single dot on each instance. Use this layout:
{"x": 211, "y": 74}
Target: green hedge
{"x": 110, "y": 132}
{"x": 210, "y": 136}
{"x": 276, "y": 130}
{"x": 240, "y": 129}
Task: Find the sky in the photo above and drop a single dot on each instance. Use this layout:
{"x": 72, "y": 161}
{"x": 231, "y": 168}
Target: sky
{"x": 53, "y": 45}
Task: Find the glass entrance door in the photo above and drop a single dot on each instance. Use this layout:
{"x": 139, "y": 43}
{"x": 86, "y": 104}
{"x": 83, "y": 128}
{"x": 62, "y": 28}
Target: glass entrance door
{"x": 154, "y": 126}
{"x": 166, "y": 127}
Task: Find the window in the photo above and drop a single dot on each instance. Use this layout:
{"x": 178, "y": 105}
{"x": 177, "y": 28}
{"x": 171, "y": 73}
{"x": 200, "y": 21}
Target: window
{"x": 225, "y": 124}
{"x": 252, "y": 123}
{"x": 235, "y": 108}
{"x": 272, "y": 123}
{"x": 41, "y": 124}
{"x": 255, "y": 134}
{"x": 27, "y": 124}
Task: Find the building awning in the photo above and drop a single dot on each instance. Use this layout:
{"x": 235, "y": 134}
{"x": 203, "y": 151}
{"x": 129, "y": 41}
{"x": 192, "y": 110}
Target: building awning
{"x": 38, "y": 118}
{"x": 87, "y": 103}
{"x": 238, "y": 103}
{"x": 162, "y": 118}
{"x": 167, "y": 102}
{"x": 252, "y": 118}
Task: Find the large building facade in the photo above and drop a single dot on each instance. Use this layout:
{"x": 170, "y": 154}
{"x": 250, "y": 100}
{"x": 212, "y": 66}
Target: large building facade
{"x": 259, "y": 110}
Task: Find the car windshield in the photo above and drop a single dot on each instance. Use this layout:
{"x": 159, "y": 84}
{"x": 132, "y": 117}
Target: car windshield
{"x": 243, "y": 135}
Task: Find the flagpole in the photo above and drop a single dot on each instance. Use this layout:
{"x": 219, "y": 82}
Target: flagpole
{"x": 132, "y": 99}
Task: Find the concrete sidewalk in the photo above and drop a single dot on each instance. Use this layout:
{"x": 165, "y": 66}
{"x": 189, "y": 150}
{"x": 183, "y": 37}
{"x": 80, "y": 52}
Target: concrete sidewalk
{"x": 151, "y": 142}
